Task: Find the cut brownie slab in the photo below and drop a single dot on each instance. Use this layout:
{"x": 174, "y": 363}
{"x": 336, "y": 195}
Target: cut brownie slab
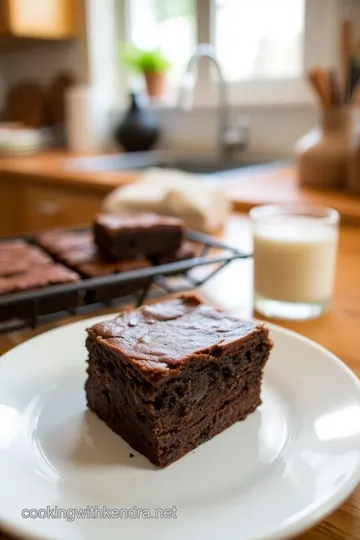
{"x": 77, "y": 250}
{"x": 170, "y": 376}
{"x": 18, "y": 257}
{"x": 78, "y": 256}
{"x": 13, "y": 245}
{"x": 123, "y": 237}
{"x": 59, "y": 242}
{"x": 38, "y": 278}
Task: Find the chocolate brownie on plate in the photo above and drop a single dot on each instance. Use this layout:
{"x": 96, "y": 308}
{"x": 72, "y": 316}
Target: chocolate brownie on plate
{"x": 169, "y": 376}
{"x": 122, "y": 237}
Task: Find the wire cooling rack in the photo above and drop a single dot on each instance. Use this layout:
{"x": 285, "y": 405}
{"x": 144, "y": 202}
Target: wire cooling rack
{"x": 171, "y": 278}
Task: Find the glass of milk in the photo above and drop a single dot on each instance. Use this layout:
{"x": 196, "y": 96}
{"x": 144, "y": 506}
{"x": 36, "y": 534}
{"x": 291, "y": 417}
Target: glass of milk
{"x": 295, "y": 249}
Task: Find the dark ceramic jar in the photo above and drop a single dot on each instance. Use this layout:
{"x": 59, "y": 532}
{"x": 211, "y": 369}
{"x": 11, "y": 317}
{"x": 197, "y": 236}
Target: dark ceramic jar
{"x": 138, "y": 130}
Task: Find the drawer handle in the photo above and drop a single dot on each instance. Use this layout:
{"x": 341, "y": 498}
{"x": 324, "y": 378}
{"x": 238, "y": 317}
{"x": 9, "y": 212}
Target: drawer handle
{"x": 48, "y": 208}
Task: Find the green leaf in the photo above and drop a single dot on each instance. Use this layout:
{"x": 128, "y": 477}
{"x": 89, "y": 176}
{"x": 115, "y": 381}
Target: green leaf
{"x": 135, "y": 59}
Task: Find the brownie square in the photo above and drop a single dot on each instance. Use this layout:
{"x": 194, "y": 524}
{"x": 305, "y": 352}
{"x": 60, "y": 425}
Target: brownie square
{"x": 95, "y": 267}
{"x": 123, "y": 237}
{"x": 38, "y": 278}
{"x": 75, "y": 257}
{"x": 18, "y": 257}
{"x": 72, "y": 248}
{"x": 13, "y": 245}
{"x": 59, "y": 241}
{"x": 168, "y": 377}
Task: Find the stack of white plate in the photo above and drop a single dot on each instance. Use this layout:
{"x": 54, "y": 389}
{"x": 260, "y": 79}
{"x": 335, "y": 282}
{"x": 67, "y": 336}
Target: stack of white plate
{"x": 20, "y": 141}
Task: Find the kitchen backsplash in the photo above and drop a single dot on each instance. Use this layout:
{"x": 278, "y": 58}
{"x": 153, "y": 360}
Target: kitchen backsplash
{"x": 273, "y": 130}
{"x": 39, "y": 62}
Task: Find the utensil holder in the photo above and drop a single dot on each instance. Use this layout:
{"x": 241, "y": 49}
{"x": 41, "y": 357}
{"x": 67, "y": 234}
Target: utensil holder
{"x": 323, "y": 154}
{"x": 354, "y": 164}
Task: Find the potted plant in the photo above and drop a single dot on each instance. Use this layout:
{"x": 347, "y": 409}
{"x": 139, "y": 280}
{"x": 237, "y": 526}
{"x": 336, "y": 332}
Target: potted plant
{"x": 153, "y": 65}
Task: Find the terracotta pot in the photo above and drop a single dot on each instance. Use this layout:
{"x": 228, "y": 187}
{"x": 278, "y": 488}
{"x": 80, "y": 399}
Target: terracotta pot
{"x": 323, "y": 154}
{"x": 155, "y": 83}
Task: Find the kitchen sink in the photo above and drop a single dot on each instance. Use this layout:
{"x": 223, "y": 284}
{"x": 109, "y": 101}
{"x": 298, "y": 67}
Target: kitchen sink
{"x": 165, "y": 160}
{"x": 207, "y": 166}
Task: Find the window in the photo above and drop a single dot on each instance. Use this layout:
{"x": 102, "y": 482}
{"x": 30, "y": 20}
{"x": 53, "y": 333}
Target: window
{"x": 260, "y": 39}
{"x": 248, "y": 46}
{"x": 169, "y": 25}
{"x": 263, "y": 46}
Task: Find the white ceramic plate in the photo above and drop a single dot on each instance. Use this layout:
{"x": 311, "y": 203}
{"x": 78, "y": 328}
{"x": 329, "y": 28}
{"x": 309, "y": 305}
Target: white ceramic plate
{"x": 288, "y": 465}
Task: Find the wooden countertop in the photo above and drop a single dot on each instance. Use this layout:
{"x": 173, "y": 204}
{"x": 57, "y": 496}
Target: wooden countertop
{"x": 49, "y": 168}
{"x": 280, "y": 185}
{"x": 247, "y": 188}
{"x": 337, "y": 330}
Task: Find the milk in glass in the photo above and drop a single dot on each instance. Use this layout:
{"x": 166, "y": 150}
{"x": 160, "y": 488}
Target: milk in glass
{"x": 294, "y": 260}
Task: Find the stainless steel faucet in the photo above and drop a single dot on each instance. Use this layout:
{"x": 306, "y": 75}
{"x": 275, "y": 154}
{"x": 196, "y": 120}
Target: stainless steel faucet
{"x": 229, "y": 139}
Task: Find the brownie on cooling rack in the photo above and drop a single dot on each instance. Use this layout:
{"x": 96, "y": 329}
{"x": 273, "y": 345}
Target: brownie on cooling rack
{"x": 59, "y": 242}
{"x": 94, "y": 267}
{"x": 77, "y": 250}
{"x": 17, "y": 257}
{"x": 169, "y": 376}
{"x": 33, "y": 279}
{"x": 123, "y": 237}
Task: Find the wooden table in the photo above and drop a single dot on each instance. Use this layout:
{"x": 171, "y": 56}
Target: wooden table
{"x": 338, "y": 331}
{"x": 280, "y": 185}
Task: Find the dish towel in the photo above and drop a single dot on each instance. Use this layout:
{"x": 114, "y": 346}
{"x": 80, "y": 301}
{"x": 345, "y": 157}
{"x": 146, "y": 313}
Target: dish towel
{"x": 201, "y": 203}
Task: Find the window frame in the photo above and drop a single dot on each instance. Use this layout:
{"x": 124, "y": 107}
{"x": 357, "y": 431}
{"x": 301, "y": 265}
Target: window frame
{"x": 322, "y": 18}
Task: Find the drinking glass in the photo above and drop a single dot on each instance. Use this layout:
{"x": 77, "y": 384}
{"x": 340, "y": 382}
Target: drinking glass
{"x": 295, "y": 248}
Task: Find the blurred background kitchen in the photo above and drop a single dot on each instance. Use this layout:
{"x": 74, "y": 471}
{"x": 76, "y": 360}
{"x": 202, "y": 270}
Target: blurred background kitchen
{"x": 261, "y": 96}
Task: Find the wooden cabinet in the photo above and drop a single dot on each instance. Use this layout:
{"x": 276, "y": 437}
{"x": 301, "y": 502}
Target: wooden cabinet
{"x": 4, "y": 17}
{"x": 47, "y": 207}
{"x": 27, "y": 207}
{"x": 11, "y": 208}
{"x": 43, "y": 19}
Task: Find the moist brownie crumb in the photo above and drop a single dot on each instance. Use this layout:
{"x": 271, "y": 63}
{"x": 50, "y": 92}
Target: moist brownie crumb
{"x": 169, "y": 376}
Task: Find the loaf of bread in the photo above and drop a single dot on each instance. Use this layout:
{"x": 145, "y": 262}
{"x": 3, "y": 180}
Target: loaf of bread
{"x": 201, "y": 203}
